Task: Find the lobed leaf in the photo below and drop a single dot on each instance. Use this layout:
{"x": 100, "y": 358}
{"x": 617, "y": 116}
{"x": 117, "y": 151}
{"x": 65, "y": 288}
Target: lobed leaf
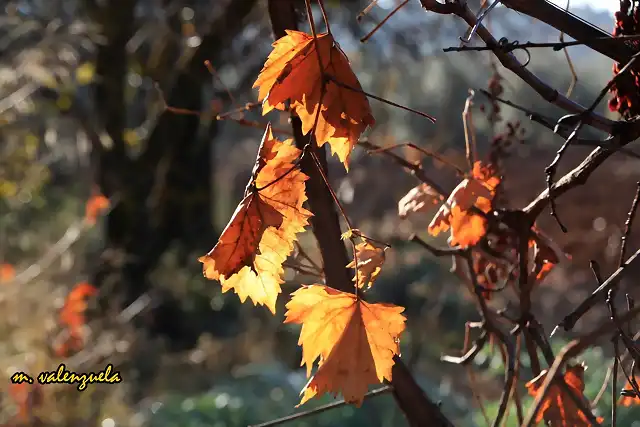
{"x": 355, "y": 340}
{"x": 370, "y": 259}
{"x": 293, "y": 73}
{"x": 249, "y": 255}
{"x": 418, "y": 199}
{"x": 558, "y": 408}
{"x": 467, "y": 228}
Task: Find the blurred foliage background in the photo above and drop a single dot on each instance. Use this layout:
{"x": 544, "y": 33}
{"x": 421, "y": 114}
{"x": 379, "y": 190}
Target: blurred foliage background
{"x": 84, "y": 86}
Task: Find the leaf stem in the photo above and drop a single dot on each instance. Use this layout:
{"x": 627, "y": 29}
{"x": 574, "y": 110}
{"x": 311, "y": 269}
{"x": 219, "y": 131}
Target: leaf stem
{"x": 386, "y": 18}
{"x": 342, "y": 212}
{"x": 377, "y": 98}
{"x": 324, "y": 16}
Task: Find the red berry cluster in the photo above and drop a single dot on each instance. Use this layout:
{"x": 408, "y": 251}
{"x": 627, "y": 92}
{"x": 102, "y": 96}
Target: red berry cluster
{"x": 626, "y": 90}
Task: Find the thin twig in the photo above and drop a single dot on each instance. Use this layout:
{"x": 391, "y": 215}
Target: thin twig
{"x": 562, "y": 131}
{"x": 574, "y": 75}
{"x": 71, "y": 236}
{"x": 470, "y": 354}
{"x": 386, "y": 18}
{"x": 509, "y": 46}
{"x": 377, "y": 98}
{"x": 436, "y": 251}
{"x": 603, "y": 387}
{"x": 614, "y": 396}
{"x": 319, "y": 409}
{"x": 469, "y": 131}
{"x": 510, "y": 62}
{"x": 628, "y": 226}
{"x": 415, "y": 169}
{"x": 366, "y": 10}
{"x": 572, "y": 318}
{"x": 423, "y": 151}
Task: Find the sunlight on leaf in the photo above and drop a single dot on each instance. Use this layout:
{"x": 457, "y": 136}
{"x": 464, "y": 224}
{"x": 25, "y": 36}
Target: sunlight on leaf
{"x": 558, "y": 408}
{"x": 292, "y": 72}
{"x": 355, "y": 341}
{"x": 260, "y": 236}
{"x": 370, "y": 259}
{"x": 7, "y": 272}
{"x": 95, "y": 206}
{"x": 75, "y": 305}
{"x": 467, "y": 228}
{"x": 418, "y": 199}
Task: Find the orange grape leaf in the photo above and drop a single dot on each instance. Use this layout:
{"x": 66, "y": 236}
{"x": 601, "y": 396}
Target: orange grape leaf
{"x": 486, "y": 174}
{"x": 418, "y": 199}
{"x": 355, "y": 340}
{"x": 292, "y": 72}
{"x": 7, "y": 272}
{"x": 94, "y": 207}
{"x": 558, "y": 408}
{"x": 628, "y": 399}
{"x": 26, "y": 397}
{"x": 67, "y": 344}
{"x": 72, "y": 312}
{"x": 370, "y": 259}
{"x": 249, "y": 255}
{"x": 239, "y": 243}
{"x": 544, "y": 255}
{"x": 350, "y": 233}
{"x": 467, "y": 228}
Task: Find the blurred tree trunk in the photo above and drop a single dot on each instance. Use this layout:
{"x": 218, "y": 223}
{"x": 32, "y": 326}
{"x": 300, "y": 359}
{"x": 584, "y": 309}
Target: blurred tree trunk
{"x": 163, "y": 197}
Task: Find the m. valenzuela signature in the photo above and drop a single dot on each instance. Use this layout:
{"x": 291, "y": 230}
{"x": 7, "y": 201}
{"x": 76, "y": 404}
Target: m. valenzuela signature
{"x": 64, "y": 376}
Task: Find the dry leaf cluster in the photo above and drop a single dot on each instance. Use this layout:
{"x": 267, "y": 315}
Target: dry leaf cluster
{"x": 355, "y": 342}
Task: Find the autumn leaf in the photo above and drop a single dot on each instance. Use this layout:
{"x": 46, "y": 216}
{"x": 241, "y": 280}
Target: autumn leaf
{"x": 7, "y": 272}
{"x": 239, "y": 243}
{"x": 249, "y": 254}
{"x": 67, "y": 344}
{"x": 418, "y": 199}
{"x": 487, "y": 175}
{"x": 558, "y": 408}
{"x": 350, "y": 233}
{"x": 293, "y": 73}
{"x": 72, "y": 317}
{"x": 544, "y": 255}
{"x": 488, "y": 273}
{"x": 27, "y": 397}
{"x": 75, "y": 305}
{"x": 544, "y": 259}
{"x": 355, "y": 341}
{"x": 94, "y": 207}
{"x": 628, "y": 398}
{"x": 467, "y": 227}
{"x": 370, "y": 259}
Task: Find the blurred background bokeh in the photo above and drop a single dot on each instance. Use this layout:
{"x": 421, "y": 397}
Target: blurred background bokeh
{"x": 83, "y": 90}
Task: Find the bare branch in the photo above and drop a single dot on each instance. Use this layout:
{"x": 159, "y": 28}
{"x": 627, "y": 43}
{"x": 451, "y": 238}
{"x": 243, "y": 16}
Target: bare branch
{"x": 510, "y": 62}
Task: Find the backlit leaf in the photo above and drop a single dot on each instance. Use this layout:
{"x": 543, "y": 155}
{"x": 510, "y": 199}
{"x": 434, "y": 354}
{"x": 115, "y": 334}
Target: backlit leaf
{"x": 249, "y": 255}
{"x": 355, "y": 340}
{"x": 72, "y": 314}
{"x": 418, "y": 199}
{"x": 626, "y": 400}
{"x": 370, "y": 259}
{"x": 7, "y": 272}
{"x": 467, "y": 227}
{"x": 558, "y": 408}
{"x": 95, "y": 206}
{"x": 292, "y": 72}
